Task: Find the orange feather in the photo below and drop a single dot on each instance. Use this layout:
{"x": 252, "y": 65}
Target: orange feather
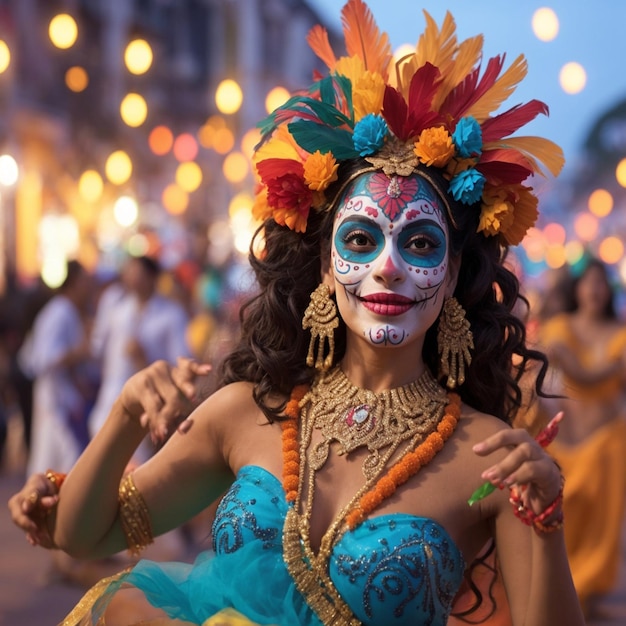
{"x": 318, "y": 40}
{"x": 364, "y": 39}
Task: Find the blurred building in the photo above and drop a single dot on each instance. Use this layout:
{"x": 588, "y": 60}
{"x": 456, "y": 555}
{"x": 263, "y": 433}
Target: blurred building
{"x": 127, "y": 146}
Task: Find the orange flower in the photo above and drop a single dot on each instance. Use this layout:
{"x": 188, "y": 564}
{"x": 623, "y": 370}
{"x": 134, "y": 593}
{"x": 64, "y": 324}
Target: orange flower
{"x": 434, "y": 147}
{"x": 320, "y": 170}
{"x": 399, "y": 473}
{"x": 386, "y": 487}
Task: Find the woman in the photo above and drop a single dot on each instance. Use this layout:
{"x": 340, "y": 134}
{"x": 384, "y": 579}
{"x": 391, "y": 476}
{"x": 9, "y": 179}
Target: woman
{"x": 346, "y": 463}
{"x": 587, "y": 346}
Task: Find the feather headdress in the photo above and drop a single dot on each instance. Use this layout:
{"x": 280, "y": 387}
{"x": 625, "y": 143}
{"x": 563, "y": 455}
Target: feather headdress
{"x": 431, "y": 108}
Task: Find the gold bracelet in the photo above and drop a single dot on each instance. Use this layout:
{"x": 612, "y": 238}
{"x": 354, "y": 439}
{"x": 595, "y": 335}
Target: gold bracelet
{"x": 134, "y": 516}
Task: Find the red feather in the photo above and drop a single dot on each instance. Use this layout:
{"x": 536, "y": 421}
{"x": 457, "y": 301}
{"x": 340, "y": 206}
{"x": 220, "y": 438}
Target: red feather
{"x": 395, "y": 111}
{"x": 508, "y": 122}
{"x": 275, "y": 168}
{"x": 504, "y": 166}
{"x": 470, "y": 90}
{"x": 422, "y": 90}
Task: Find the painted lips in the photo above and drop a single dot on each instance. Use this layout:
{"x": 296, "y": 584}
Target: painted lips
{"x": 387, "y": 303}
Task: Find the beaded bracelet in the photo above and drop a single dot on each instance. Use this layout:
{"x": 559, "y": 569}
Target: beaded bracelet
{"x": 134, "y": 516}
{"x": 538, "y": 520}
{"x": 56, "y": 478}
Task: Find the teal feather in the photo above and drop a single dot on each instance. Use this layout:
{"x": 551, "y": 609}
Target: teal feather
{"x": 312, "y": 136}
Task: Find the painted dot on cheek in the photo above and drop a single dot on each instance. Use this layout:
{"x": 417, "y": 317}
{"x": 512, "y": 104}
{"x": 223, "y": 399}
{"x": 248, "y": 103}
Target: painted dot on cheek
{"x": 418, "y": 270}
{"x": 425, "y": 272}
{"x": 435, "y": 272}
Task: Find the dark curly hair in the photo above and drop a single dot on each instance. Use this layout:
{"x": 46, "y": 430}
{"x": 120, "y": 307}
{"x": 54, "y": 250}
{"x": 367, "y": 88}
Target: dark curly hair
{"x": 273, "y": 346}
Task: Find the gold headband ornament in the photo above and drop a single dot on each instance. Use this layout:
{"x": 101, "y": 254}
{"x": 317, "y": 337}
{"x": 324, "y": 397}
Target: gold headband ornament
{"x": 431, "y": 108}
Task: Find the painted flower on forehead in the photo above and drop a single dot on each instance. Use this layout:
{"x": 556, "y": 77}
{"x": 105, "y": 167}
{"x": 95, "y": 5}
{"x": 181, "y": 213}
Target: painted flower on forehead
{"x": 320, "y": 170}
{"x": 434, "y": 147}
{"x": 467, "y": 186}
{"x": 468, "y": 138}
{"x": 369, "y": 134}
{"x": 393, "y": 193}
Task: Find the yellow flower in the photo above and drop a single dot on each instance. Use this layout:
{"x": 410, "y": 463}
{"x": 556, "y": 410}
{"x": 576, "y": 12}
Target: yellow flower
{"x": 434, "y": 147}
{"x": 496, "y": 213}
{"x": 261, "y": 210}
{"x": 367, "y": 95}
{"x": 526, "y": 214}
{"x": 320, "y": 170}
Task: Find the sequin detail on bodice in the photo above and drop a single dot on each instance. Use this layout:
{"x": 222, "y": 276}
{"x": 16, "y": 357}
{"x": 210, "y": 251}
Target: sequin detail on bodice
{"x": 393, "y": 569}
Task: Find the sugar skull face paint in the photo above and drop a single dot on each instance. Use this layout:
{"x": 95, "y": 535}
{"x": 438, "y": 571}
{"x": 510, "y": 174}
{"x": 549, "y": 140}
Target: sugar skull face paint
{"x": 390, "y": 257}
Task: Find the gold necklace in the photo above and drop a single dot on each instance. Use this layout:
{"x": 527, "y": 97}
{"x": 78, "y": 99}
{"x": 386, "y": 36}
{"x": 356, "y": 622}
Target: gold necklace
{"x": 353, "y": 418}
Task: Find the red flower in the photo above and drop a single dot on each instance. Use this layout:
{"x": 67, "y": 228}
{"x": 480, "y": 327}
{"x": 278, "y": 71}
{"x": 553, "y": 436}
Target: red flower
{"x": 392, "y": 194}
{"x": 291, "y": 201}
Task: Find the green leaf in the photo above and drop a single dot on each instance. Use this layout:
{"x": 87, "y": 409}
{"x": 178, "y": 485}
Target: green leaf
{"x": 482, "y": 492}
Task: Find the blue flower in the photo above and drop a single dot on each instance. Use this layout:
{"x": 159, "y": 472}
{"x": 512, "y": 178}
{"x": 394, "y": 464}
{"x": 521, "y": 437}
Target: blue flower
{"x": 468, "y": 137}
{"x": 369, "y": 134}
{"x": 467, "y": 186}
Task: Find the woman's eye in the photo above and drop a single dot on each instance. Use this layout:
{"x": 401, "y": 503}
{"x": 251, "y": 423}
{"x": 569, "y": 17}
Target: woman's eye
{"x": 422, "y": 244}
{"x": 359, "y": 239}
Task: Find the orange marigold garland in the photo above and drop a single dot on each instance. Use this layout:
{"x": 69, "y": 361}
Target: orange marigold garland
{"x": 408, "y": 466}
{"x": 291, "y": 455}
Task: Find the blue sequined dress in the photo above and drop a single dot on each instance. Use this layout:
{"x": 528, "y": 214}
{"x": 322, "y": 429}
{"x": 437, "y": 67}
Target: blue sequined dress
{"x": 392, "y": 570}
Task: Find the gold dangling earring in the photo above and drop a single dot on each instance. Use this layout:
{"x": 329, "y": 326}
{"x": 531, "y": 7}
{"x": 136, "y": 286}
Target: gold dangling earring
{"x": 454, "y": 341}
{"x": 321, "y": 317}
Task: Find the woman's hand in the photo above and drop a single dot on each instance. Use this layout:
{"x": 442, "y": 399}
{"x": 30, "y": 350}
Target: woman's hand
{"x": 527, "y": 469}
{"x": 161, "y": 397}
{"x": 30, "y": 507}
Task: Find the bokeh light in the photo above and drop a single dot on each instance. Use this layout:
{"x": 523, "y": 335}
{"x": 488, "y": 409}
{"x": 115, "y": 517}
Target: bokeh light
{"x": 620, "y": 173}
{"x": 586, "y": 226}
{"x": 161, "y": 140}
{"x": 138, "y": 56}
{"x": 572, "y": 78}
{"x": 189, "y": 176}
{"x": 76, "y": 79}
{"x": 249, "y": 141}
{"x": 275, "y": 98}
{"x": 185, "y": 147}
{"x": 63, "y": 31}
{"x": 118, "y": 167}
{"x": 555, "y": 233}
{"x": 228, "y": 96}
{"x": 545, "y": 24}
{"x": 125, "y": 211}
{"x": 223, "y": 140}
{"x": 134, "y": 110}
{"x": 235, "y": 167}
{"x": 90, "y": 186}
{"x": 611, "y": 250}
{"x": 5, "y": 56}
{"x": 555, "y": 256}
{"x": 9, "y": 171}
{"x": 175, "y": 199}
{"x": 600, "y": 203}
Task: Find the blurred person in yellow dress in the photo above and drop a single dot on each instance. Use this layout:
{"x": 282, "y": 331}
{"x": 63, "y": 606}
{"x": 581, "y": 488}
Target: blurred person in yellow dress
{"x": 587, "y": 348}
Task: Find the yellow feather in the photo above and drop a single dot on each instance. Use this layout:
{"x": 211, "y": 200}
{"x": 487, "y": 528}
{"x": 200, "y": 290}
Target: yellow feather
{"x": 280, "y": 146}
{"x": 500, "y": 91}
{"x": 434, "y": 46}
{"x": 536, "y": 150}
{"x": 364, "y": 39}
{"x": 467, "y": 57}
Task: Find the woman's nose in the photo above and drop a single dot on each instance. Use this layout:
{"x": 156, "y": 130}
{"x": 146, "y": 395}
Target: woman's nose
{"x": 389, "y": 270}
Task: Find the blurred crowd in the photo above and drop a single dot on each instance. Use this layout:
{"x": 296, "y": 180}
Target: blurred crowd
{"x": 65, "y": 354}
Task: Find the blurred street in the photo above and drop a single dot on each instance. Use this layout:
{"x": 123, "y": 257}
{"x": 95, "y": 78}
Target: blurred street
{"x": 29, "y": 598}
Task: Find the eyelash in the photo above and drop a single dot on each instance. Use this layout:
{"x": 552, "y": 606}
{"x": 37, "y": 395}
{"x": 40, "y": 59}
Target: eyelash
{"x": 433, "y": 243}
{"x": 352, "y": 235}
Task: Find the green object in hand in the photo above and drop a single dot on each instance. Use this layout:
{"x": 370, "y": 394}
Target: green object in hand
{"x": 482, "y": 492}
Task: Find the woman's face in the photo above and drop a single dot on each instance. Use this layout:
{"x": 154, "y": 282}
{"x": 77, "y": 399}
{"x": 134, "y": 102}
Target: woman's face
{"x": 593, "y": 292}
{"x": 389, "y": 258}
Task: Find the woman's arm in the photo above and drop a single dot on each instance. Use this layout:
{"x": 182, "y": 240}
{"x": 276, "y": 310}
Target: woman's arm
{"x": 534, "y": 564}
{"x": 179, "y": 481}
